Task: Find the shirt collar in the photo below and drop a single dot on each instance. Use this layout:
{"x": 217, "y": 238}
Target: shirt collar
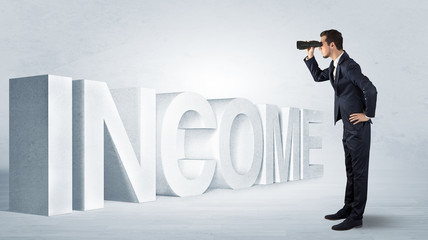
{"x": 337, "y": 59}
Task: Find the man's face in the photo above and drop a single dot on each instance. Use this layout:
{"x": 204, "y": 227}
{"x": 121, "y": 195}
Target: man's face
{"x": 325, "y": 49}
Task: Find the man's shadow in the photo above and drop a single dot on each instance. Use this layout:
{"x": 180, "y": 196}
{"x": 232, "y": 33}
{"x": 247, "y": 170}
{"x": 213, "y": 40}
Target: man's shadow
{"x": 379, "y": 221}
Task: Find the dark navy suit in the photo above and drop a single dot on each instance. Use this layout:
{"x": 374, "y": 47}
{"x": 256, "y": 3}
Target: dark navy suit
{"x": 354, "y": 93}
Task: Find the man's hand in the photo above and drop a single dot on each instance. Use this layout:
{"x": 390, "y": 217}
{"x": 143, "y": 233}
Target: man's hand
{"x": 358, "y": 117}
{"x": 310, "y": 52}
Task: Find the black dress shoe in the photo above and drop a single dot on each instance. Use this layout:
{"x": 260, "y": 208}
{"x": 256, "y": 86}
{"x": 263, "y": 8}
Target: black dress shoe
{"x": 349, "y": 223}
{"x": 341, "y": 214}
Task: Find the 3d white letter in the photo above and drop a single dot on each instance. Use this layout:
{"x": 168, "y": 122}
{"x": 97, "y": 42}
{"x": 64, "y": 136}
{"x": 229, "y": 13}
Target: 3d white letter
{"x": 290, "y": 125}
{"x": 310, "y": 142}
{"x": 40, "y": 160}
{"x": 238, "y": 142}
{"x": 274, "y": 167}
{"x": 96, "y": 122}
{"x": 137, "y": 109}
{"x": 183, "y": 120}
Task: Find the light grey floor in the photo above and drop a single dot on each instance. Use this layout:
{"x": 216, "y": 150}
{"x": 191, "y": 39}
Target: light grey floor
{"x": 395, "y": 210}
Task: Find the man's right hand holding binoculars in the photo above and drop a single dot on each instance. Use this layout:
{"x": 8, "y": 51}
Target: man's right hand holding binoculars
{"x": 309, "y": 46}
{"x": 310, "y": 52}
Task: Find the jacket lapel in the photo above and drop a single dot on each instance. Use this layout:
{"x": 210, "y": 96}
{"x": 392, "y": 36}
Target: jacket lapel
{"x": 337, "y": 78}
{"x": 344, "y": 57}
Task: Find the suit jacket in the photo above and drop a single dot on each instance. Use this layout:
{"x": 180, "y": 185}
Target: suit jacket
{"x": 354, "y": 92}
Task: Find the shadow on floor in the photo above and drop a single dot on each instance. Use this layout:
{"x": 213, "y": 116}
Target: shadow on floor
{"x": 379, "y": 221}
{"x": 4, "y": 191}
{"x": 4, "y": 201}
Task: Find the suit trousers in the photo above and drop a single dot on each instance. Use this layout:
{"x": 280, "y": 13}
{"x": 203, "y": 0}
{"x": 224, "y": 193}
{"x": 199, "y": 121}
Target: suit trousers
{"x": 356, "y": 143}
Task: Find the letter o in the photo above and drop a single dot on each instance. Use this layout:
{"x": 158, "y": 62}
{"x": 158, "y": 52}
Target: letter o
{"x": 236, "y": 116}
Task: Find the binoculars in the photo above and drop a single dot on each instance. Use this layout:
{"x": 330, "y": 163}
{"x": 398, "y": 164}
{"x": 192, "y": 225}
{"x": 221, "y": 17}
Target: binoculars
{"x": 302, "y": 45}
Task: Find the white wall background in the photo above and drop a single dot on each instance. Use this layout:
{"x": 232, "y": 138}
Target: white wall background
{"x": 231, "y": 48}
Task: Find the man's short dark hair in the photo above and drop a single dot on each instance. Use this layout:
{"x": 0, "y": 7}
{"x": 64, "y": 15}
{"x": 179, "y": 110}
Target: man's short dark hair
{"x": 335, "y": 36}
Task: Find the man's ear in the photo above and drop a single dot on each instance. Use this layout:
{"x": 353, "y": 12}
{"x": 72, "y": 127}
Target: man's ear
{"x": 332, "y": 45}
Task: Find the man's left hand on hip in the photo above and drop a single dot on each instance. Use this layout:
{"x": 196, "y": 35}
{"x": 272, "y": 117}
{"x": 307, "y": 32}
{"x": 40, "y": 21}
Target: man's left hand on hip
{"x": 358, "y": 117}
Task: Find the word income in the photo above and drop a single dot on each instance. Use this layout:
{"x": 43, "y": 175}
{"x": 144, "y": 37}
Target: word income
{"x": 74, "y": 144}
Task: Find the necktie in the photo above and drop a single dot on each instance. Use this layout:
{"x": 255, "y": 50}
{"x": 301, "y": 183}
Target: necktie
{"x": 334, "y": 73}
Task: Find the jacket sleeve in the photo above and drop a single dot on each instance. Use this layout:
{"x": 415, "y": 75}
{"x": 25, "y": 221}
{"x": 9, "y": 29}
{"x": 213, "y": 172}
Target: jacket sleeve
{"x": 318, "y": 74}
{"x": 366, "y": 86}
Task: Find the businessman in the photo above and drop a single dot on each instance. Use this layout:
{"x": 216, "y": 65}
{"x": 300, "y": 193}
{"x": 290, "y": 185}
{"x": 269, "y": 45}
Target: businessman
{"x": 354, "y": 103}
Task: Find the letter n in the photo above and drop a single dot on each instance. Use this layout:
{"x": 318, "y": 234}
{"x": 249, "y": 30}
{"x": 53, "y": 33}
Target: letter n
{"x": 103, "y": 153}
